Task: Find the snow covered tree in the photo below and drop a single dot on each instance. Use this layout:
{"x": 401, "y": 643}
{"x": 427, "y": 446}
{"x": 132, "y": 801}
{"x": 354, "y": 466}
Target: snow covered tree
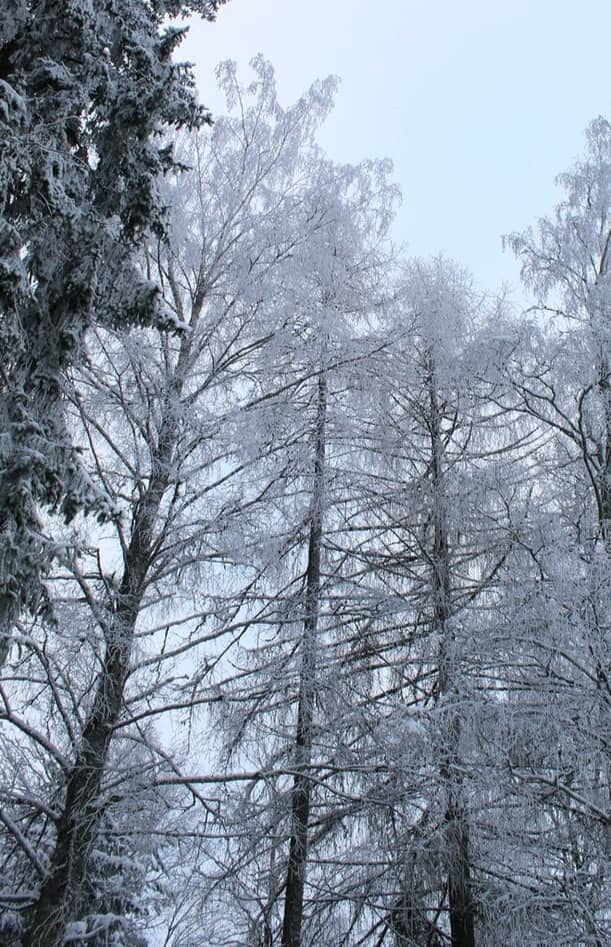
{"x": 86, "y": 90}
{"x": 278, "y": 698}
{"x": 557, "y": 618}
{"x": 568, "y": 267}
{"x": 154, "y": 415}
{"x": 427, "y": 551}
{"x": 331, "y": 665}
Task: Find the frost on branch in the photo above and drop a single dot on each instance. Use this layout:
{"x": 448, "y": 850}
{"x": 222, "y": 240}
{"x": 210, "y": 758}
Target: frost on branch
{"x": 86, "y": 90}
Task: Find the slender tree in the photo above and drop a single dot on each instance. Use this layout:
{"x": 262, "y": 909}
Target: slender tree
{"x": 557, "y": 368}
{"x": 300, "y": 797}
{"x": 434, "y": 538}
{"x": 280, "y": 698}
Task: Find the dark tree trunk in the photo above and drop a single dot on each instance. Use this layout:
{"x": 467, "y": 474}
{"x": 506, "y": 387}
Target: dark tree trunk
{"x": 604, "y": 385}
{"x": 462, "y": 928}
{"x": 300, "y": 800}
{"x": 77, "y": 825}
{"x": 460, "y": 903}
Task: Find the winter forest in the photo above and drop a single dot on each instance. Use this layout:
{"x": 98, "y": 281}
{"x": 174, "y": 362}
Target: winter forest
{"x": 305, "y": 547}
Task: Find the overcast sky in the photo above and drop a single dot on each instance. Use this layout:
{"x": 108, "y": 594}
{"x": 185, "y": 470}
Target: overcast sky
{"x": 479, "y": 103}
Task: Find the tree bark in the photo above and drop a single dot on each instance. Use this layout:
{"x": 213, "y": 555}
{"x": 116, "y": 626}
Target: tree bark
{"x": 460, "y": 902}
{"x": 604, "y": 385}
{"x": 77, "y": 825}
{"x": 300, "y": 798}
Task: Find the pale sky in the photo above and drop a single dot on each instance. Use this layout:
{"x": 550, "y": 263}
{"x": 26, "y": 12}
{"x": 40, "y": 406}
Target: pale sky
{"x": 479, "y": 103}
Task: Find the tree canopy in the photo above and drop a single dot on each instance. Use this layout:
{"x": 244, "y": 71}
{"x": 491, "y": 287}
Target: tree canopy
{"x": 330, "y": 664}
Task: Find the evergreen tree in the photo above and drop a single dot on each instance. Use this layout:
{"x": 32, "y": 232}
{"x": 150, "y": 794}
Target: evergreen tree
{"x": 86, "y": 90}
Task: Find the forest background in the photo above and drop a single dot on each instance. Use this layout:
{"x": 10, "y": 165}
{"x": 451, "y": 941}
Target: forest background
{"x": 305, "y": 565}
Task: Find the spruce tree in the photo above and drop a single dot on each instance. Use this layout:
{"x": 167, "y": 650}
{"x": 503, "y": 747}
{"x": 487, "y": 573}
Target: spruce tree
{"x": 86, "y": 90}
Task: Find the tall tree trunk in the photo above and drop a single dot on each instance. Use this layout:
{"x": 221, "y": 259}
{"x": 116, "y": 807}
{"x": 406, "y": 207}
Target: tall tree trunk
{"x": 460, "y": 902}
{"x": 76, "y": 828}
{"x": 77, "y": 825}
{"x": 300, "y": 798}
{"x": 604, "y": 385}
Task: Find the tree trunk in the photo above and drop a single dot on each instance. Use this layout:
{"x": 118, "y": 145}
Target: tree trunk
{"x": 300, "y": 799}
{"x": 462, "y": 927}
{"x": 77, "y": 825}
{"x": 457, "y": 829}
{"x": 604, "y": 385}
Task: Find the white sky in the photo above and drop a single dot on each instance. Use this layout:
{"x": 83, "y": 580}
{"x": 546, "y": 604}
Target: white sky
{"x": 479, "y": 103}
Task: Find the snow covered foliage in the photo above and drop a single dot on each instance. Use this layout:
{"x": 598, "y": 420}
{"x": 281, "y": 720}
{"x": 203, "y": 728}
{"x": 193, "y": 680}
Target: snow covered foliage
{"x": 336, "y": 670}
{"x": 86, "y": 90}
{"x": 568, "y": 266}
